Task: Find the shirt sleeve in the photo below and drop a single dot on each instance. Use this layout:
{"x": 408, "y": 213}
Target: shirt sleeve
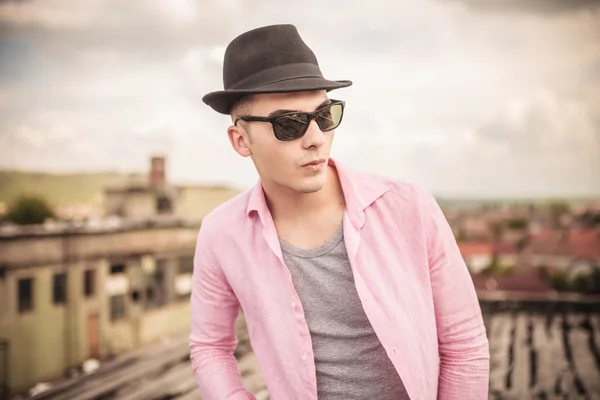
{"x": 212, "y": 339}
{"x": 462, "y": 338}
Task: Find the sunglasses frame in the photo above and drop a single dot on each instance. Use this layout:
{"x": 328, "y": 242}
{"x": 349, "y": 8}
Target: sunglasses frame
{"x": 311, "y": 115}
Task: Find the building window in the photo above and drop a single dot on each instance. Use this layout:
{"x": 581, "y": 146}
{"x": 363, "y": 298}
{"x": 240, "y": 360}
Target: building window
{"x": 183, "y": 279}
{"x": 59, "y": 288}
{"x": 164, "y": 205}
{"x": 156, "y": 290}
{"x": 25, "y": 293}
{"x": 117, "y": 307}
{"x": 89, "y": 283}
{"x": 117, "y": 269}
{"x": 135, "y": 296}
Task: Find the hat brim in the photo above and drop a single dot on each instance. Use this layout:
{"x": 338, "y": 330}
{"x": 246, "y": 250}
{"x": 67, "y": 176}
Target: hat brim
{"x": 222, "y": 100}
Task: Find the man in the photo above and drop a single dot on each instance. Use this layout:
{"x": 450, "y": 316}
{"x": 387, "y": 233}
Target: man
{"x": 352, "y": 285}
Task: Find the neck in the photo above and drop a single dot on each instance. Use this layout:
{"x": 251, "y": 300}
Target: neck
{"x": 285, "y": 204}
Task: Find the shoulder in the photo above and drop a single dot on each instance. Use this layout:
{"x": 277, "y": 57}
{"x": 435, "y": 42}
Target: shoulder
{"x": 411, "y": 205}
{"x": 225, "y": 218}
{"x": 415, "y": 202}
{"x": 413, "y": 193}
{"x": 402, "y": 192}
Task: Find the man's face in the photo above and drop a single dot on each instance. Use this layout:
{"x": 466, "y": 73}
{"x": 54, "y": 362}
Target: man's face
{"x": 282, "y": 164}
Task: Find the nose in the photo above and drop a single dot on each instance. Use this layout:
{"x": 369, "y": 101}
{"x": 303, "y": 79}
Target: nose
{"x": 313, "y": 137}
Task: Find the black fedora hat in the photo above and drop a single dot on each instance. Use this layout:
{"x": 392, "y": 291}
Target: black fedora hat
{"x": 269, "y": 59}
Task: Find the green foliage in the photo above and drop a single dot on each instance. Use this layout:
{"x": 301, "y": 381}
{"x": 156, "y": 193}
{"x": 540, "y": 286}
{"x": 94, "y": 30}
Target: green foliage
{"x": 517, "y": 223}
{"x": 590, "y": 219}
{"x": 581, "y": 284}
{"x": 558, "y": 207}
{"x": 557, "y": 210}
{"x": 560, "y": 282}
{"x": 497, "y": 269}
{"x": 29, "y": 209}
{"x": 595, "y": 280}
{"x": 588, "y": 284}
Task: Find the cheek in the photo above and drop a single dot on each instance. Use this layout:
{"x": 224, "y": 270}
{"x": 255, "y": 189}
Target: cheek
{"x": 276, "y": 159}
{"x": 330, "y": 136}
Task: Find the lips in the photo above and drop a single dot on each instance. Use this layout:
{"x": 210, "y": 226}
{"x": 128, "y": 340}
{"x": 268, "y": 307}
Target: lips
{"x": 316, "y": 162}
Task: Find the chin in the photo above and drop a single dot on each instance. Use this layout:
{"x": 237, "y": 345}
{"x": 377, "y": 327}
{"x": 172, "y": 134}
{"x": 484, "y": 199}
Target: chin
{"x": 312, "y": 186}
{"x": 310, "y": 189}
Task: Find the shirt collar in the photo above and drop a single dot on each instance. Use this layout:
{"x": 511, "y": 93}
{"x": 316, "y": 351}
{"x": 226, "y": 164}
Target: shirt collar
{"x": 360, "y": 191}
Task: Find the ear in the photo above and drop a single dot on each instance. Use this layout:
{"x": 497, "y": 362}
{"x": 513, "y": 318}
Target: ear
{"x": 239, "y": 140}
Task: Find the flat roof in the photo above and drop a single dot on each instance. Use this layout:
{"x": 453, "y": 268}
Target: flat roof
{"x": 102, "y": 226}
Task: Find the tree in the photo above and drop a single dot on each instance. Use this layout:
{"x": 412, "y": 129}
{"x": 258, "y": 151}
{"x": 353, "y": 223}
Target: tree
{"x": 517, "y": 223}
{"x": 29, "y": 209}
{"x": 560, "y": 282}
{"x": 590, "y": 219}
{"x": 557, "y": 210}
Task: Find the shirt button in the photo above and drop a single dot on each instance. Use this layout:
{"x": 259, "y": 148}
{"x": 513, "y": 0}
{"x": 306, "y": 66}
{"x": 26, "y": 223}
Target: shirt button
{"x": 304, "y": 357}
{"x": 293, "y": 304}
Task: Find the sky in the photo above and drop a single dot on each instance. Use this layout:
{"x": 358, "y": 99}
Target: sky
{"x": 497, "y": 98}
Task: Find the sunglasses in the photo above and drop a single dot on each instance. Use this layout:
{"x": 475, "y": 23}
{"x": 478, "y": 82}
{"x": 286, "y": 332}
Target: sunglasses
{"x": 293, "y": 125}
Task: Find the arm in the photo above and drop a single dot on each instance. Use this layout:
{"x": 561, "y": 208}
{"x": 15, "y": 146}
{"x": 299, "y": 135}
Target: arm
{"x": 462, "y": 340}
{"x": 214, "y": 309}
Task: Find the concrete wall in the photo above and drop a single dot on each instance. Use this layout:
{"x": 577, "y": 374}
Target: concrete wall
{"x": 190, "y": 203}
{"x": 114, "y": 203}
{"x": 140, "y": 206}
{"x": 195, "y": 202}
{"x": 37, "y": 337}
{"x": 131, "y": 205}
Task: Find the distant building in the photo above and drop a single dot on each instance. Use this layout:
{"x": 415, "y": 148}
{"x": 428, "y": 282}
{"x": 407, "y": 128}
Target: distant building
{"x": 573, "y": 251}
{"x": 525, "y": 281}
{"x": 477, "y": 255}
{"x": 480, "y": 255}
{"x": 507, "y": 254}
{"x": 92, "y": 289}
{"x": 69, "y": 294}
{"x": 474, "y": 228}
{"x": 158, "y": 198}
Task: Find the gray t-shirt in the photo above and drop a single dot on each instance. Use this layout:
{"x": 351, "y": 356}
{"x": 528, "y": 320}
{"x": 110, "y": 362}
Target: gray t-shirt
{"x": 351, "y": 363}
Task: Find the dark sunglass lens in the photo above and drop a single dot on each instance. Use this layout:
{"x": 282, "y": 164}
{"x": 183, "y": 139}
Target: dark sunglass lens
{"x": 290, "y": 127}
{"x": 330, "y": 117}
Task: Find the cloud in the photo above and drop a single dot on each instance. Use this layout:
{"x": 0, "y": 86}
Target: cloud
{"x": 547, "y": 7}
{"x": 543, "y": 145}
{"x": 463, "y": 101}
{"x": 146, "y": 29}
{"x": 546, "y": 125}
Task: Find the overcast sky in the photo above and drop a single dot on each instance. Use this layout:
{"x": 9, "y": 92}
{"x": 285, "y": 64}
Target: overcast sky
{"x": 469, "y": 100}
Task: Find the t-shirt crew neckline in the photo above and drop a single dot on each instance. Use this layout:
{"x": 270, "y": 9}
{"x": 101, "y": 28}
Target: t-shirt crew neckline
{"x": 317, "y": 251}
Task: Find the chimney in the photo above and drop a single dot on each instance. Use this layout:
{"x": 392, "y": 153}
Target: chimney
{"x": 157, "y": 172}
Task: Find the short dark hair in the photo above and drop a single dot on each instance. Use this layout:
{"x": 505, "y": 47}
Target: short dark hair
{"x": 242, "y": 106}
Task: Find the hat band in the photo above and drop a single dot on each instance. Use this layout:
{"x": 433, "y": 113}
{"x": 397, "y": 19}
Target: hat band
{"x": 278, "y": 73}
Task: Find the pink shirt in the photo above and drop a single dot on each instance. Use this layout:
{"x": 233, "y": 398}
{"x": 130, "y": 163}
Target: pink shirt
{"x": 414, "y": 285}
